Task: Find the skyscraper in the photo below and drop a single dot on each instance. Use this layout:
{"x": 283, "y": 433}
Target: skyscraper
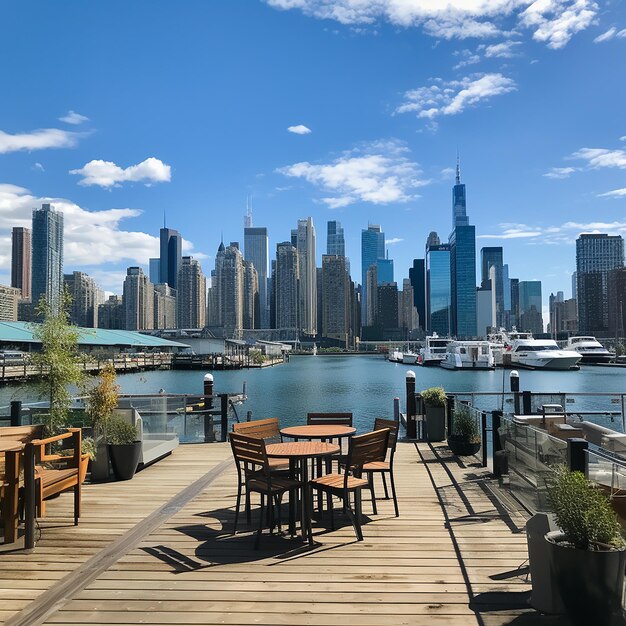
{"x": 530, "y": 305}
{"x": 47, "y": 256}
{"x": 596, "y": 256}
{"x": 492, "y": 257}
{"x": 190, "y": 295}
{"x": 385, "y": 270}
{"x": 335, "y": 298}
{"x": 86, "y": 298}
{"x": 21, "y": 261}
{"x": 335, "y": 242}
{"x": 154, "y": 271}
{"x": 138, "y": 300}
{"x": 462, "y": 264}
{"x": 372, "y": 249}
{"x": 256, "y": 251}
{"x": 229, "y": 277}
{"x": 417, "y": 276}
{"x": 251, "y": 300}
{"x": 307, "y": 292}
{"x": 171, "y": 256}
{"x": 164, "y": 306}
{"x": 286, "y": 286}
{"x": 438, "y": 289}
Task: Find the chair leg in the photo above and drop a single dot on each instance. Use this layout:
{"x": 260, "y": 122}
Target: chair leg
{"x": 237, "y": 505}
{"x": 260, "y": 529}
{"x": 385, "y": 485}
{"x": 77, "y": 493}
{"x": 370, "y": 479}
{"x": 355, "y": 516}
{"x": 393, "y": 492}
{"x": 248, "y": 509}
{"x": 332, "y": 513}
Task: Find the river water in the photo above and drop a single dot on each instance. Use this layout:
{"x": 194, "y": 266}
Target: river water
{"x": 365, "y": 385}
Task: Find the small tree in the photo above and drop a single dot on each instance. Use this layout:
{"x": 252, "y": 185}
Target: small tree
{"x": 258, "y": 358}
{"x": 59, "y": 360}
{"x": 102, "y": 399}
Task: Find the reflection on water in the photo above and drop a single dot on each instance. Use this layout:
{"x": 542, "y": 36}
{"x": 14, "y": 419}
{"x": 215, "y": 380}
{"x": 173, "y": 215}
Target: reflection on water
{"x": 365, "y": 385}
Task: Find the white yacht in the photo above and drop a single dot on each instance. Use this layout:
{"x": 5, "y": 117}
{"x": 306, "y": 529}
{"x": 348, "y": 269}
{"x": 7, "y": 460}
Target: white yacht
{"x": 434, "y": 351}
{"x": 542, "y": 354}
{"x": 409, "y": 358}
{"x": 395, "y": 356}
{"x": 468, "y": 355}
{"x": 590, "y": 349}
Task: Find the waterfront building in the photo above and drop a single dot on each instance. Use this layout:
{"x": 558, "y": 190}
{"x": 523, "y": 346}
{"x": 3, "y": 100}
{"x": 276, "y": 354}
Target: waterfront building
{"x": 485, "y": 318}
{"x": 21, "y": 261}
{"x": 372, "y": 249}
{"x": 164, "y": 306}
{"x": 307, "y": 292}
{"x": 417, "y": 276}
{"x": 272, "y": 294}
{"x": 190, "y": 295}
{"x": 514, "y": 318}
{"x": 171, "y": 256}
{"x": 251, "y": 296}
{"x": 154, "y": 271}
{"x": 111, "y": 314}
{"x": 409, "y": 318}
{"x": 47, "y": 256}
{"x": 138, "y": 300}
{"x": 335, "y": 241}
{"x": 256, "y": 251}
{"x": 387, "y": 311}
{"x": 438, "y": 289}
{"x": 530, "y": 306}
{"x": 229, "y": 284}
{"x": 596, "y": 256}
{"x": 336, "y": 299}
{"x": 491, "y": 256}
{"x": 617, "y": 302}
{"x": 506, "y": 296}
{"x": 286, "y": 284}
{"x": 574, "y": 285}
{"x": 9, "y": 298}
{"x": 86, "y": 298}
{"x": 564, "y": 317}
{"x": 371, "y": 291}
{"x": 462, "y": 244}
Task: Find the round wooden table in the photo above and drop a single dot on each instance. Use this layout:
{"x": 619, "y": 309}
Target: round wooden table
{"x": 10, "y": 444}
{"x": 318, "y": 431}
{"x": 298, "y": 453}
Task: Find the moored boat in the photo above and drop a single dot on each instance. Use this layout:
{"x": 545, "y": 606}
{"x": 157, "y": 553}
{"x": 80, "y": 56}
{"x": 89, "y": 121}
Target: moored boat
{"x": 590, "y": 349}
{"x": 542, "y": 354}
{"x": 468, "y": 355}
{"x": 434, "y": 351}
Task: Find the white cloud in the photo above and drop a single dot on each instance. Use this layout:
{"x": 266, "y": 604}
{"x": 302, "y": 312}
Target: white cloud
{"x": 616, "y": 193}
{"x": 551, "y": 21}
{"x": 300, "y": 129}
{"x": 108, "y": 174}
{"x": 378, "y": 172}
{"x": 561, "y": 172}
{"x": 598, "y": 158}
{"x": 392, "y": 241}
{"x": 452, "y": 97}
{"x": 92, "y": 239}
{"x": 467, "y": 58}
{"x": 612, "y": 33}
{"x": 38, "y": 140}
{"x": 73, "y": 118}
{"x": 503, "y": 50}
{"x": 38, "y": 167}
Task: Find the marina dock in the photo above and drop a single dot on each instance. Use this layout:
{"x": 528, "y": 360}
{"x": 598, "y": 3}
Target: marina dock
{"x": 159, "y": 550}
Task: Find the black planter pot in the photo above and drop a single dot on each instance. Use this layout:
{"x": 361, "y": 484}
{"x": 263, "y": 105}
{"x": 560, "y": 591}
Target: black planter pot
{"x": 590, "y": 583}
{"x": 124, "y": 459}
{"x": 461, "y": 446}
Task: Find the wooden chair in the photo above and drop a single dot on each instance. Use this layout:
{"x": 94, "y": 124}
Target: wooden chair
{"x": 363, "y": 449}
{"x": 384, "y": 466}
{"x": 254, "y": 471}
{"x": 337, "y": 419}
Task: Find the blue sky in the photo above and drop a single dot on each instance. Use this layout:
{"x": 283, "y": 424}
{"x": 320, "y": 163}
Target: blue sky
{"x": 118, "y": 112}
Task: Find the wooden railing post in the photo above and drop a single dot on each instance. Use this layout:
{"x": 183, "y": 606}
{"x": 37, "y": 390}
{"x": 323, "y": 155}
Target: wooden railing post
{"x": 29, "y": 496}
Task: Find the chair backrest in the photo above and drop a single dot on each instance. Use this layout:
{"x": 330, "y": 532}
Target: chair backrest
{"x": 337, "y": 419}
{"x": 367, "y": 448}
{"x": 392, "y": 425}
{"x": 21, "y": 433}
{"x": 261, "y": 429}
{"x": 249, "y": 452}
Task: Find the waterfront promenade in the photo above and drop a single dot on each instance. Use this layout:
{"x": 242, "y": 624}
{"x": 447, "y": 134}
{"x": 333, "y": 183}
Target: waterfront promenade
{"x": 158, "y": 550}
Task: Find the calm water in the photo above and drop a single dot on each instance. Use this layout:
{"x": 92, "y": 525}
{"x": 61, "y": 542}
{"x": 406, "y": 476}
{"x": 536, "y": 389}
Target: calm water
{"x": 365, "y": 385}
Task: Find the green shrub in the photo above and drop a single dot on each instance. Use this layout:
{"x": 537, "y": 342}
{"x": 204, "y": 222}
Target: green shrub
{"x": 120, "y": 432}
{"x": 464, "y": 425}
{"x": 434, "y": 396}
{"x": 582, "y": 511}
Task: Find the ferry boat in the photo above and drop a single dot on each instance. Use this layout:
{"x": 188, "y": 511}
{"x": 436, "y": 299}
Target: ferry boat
{"x": 542, "y": 354}
{"x": 434, "y": 351}
{"x": 590, "y": 349}
{"x": 468, "y": 355}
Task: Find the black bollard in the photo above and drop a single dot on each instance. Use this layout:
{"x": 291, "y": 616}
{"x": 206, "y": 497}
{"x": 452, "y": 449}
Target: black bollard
{"x": 16, "y": 412}
{"x": 411, "y": 421}
{"x": 209, "y": 433}
{"x": 514, "y": 382}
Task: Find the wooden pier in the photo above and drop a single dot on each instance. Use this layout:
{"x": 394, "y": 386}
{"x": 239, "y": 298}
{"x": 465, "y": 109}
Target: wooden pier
{"x": 158, "y": 550}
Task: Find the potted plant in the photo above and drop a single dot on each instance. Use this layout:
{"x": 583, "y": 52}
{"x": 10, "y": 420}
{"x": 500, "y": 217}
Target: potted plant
{"x": 464, "y": 440}
{"x": 124, "y": 447}
{"x": 434, "y": 399}
{"x": 588, "y": 554}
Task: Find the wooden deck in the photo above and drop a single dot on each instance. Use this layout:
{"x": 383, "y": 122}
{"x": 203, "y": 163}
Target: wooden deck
{"x": 158, "y": 550}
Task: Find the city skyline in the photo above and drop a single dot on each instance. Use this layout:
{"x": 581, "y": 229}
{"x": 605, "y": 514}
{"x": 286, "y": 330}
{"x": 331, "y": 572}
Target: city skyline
{"x": 541, "y": 117}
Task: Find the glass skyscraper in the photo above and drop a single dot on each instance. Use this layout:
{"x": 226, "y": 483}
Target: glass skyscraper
{"x": 417, "y": 276}
{"x": 335, "y": 242}
{"x": 372, "y": 249}
{"x": 462, "y": 265}
{"x": 384, "y": 267}
{"x": 492, "y": 257}
{"x": 47, "y": 256}
{"x": 438, "y": 291}
{"x": 256, "y": 250}
{"x": 171, "y": 256}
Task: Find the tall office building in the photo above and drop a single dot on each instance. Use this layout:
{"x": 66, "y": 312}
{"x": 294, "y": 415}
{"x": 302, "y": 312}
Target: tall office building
{"x": 86, "y": 298}
{"x": 111, "y": 314}
{"x": 307, "y": 292}
{"x": 9, "y": 298}
{"x": 251, "y": 299}
{"x": 596, "y": 256}
{"x": 372, "y": 249}
{"x": 417, "y": 276}
{"x": 617, "y": 301}
{"x": 335, "y": 242}
{"x": 286, "y": 286}
{"x": 371, "y": 289}
{"x": 438, "y": 289}
{"x": 336, "y": 298}
{"x": 530, "y": 306}
{"x": 506, "y": 293}
{"x": 164, "y": 306}
{"x": 21, "y": 261}
{"x": 462, "y": 264}
{"x": 387, "y": 316}
{"x": 256, "y": 251}
{"x": 171, "y": 256}
{"x": 138, "y": 300}
{"x": 229, "y": 278}
{"x": 47, "y": 256}
{"x": 191, "y": 295}
{"x": 154, "y": 272}
{"x": 492, "y": 257}
{"x": 409, "y": 319}
{"x": 385, "y": 271}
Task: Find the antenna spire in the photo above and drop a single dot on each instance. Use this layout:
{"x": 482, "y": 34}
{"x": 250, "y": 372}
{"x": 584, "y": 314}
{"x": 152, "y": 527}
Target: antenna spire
{"x": 458, "y": 167}
{"x": 247, "y": 221}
